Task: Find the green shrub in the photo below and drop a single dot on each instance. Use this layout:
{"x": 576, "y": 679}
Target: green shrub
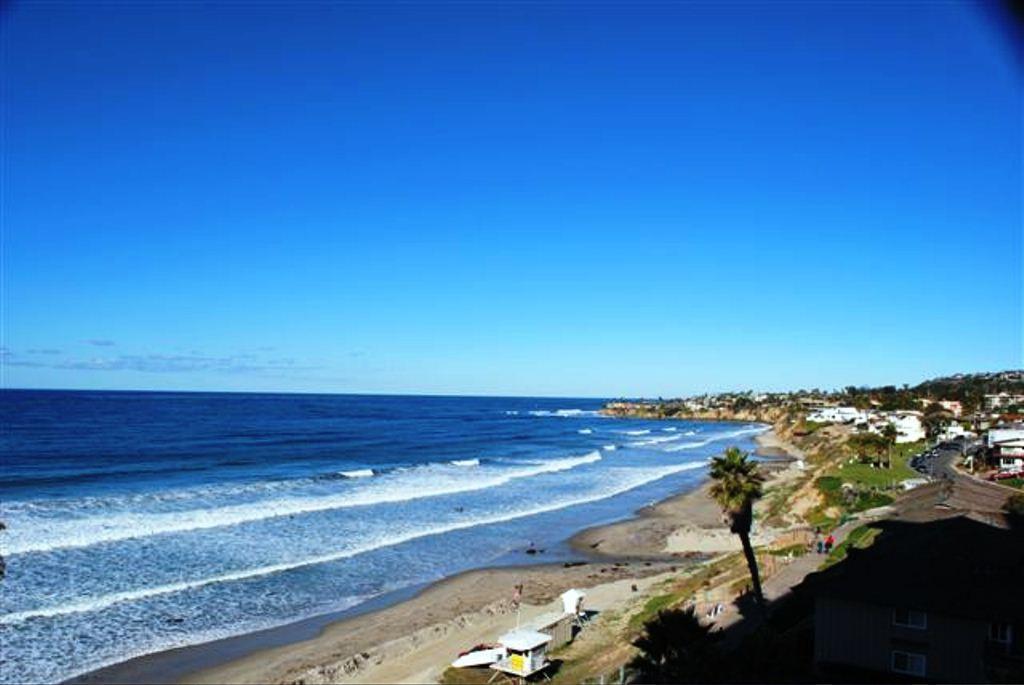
{"x": 831, "y": 489}
{"x": 813, "y": 426}
{"x": 870, "y": 500}
{"x": 829, "y": 483}
{"x": 652, "y": 607}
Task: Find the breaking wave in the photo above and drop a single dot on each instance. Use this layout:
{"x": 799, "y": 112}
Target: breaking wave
{"x": 565, "y": 413}
{"x": 92, "y": 604}
{"x": 401, "y": 486}
{"x": 357, "y": 473}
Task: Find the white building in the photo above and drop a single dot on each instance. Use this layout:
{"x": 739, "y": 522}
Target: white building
{"x": 837, "y": 415}
{"x": 954, "y": 430}
{"x": 1003, "y": 399}
{"x": 1006, "y": 445}
{"x": 908, "y": 426}
{"x": 954, "y": 407}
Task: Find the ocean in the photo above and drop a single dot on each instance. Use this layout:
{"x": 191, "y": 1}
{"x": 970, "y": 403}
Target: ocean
{"x": 137, "y": 522}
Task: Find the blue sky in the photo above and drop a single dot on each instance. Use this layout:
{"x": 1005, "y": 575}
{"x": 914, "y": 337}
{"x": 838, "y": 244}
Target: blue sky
{"x": 532, "y": 199}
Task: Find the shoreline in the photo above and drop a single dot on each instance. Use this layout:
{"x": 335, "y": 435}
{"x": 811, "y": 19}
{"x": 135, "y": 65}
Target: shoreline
{"x": 686, "y": 523}
{"x": 279, "y": 654}
{"x": 399, "y": 636}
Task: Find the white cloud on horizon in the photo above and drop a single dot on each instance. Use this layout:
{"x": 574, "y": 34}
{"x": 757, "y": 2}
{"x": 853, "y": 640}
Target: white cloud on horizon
{"x": 168, "y": 363}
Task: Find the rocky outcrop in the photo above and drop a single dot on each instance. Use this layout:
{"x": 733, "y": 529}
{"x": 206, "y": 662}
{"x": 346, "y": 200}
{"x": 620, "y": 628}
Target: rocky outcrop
{"x": 787, "y": 421}
{"x": 781, "y": 419}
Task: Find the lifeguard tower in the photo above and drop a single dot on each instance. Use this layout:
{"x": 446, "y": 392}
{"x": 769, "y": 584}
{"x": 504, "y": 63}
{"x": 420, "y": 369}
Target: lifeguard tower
{"x": 526, "y": 655}
{"x": 572, "y": 605}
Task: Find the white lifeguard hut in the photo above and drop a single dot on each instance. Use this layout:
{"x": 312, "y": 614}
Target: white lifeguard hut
{"x": 526, "y": 654}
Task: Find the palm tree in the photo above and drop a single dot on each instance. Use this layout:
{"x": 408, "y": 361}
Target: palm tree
{"x": 890, "y": 434}
{"x": 676, "y": 648}
{"x": 737, "y": 483}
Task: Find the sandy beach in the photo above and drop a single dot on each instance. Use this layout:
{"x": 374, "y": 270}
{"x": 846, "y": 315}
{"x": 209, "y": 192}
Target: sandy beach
{"x": 414, "y": 640}
{"x": 690, "y": 523}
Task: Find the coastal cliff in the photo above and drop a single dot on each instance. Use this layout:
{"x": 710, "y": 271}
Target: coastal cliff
{"x": 788, "y": 422}
{"x": 821, "y": 449}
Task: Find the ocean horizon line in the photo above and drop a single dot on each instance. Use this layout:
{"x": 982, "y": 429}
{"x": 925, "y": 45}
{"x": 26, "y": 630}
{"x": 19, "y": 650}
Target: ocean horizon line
{"x": 324, "y": 393}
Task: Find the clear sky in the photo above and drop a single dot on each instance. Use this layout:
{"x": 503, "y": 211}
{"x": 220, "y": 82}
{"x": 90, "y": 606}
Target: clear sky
{"x": 532, "y": 199}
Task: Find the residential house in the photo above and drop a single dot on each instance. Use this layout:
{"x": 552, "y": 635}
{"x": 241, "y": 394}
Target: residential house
{"x": 836, "y": 415}
{"x": 908, "y": 426}
{"x": 1003, "y": 399}
{"x": 954, "y": 430}
{"x": 938, "y": 601}
{"x": 1006, "y": 448}
{"x": 954, "y": 407}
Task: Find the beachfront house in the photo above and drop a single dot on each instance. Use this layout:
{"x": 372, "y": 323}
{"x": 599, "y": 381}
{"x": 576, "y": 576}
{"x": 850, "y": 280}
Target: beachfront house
{"x": 939, "y": 601}
{"x": 837, "y": 415}
{"x": 1006, "y": 449}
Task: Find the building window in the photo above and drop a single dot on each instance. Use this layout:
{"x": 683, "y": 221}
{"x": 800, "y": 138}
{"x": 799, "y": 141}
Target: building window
{"x": 1000, "y": 632}
{"x": 909, "y": 618}
{"x": 909, "y": 663}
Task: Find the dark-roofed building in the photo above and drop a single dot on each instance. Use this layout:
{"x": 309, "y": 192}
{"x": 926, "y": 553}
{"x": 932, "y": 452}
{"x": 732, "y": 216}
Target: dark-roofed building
{"x": 960, "y": 496}
{"x": 940, "y": 601}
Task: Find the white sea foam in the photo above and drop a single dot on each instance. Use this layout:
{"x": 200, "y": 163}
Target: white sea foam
{"x": 92, "y": 604}
{"x": 716, "y": 438}
{"x": 670, "y": 429}
{"x": 638, "y": 432}
{"x": 555, "y": 465}
{"x": 750, "y": 430}
{"x": 584, "y": 431}
{"x": 43, "y": 535}
{"x": 83, "y": 506}
{"x": 465, "y": 462}
{"x": 357, "y": 473}
{"x": 564, "y": 413}
{"x": 609, "y": 448}
{"x": 657, "y": 440}
{"x": 688, "y": 445}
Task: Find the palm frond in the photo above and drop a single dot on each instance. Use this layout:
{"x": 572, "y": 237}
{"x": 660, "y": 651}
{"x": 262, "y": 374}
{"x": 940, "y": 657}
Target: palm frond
{"x": 737, "y": 480}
